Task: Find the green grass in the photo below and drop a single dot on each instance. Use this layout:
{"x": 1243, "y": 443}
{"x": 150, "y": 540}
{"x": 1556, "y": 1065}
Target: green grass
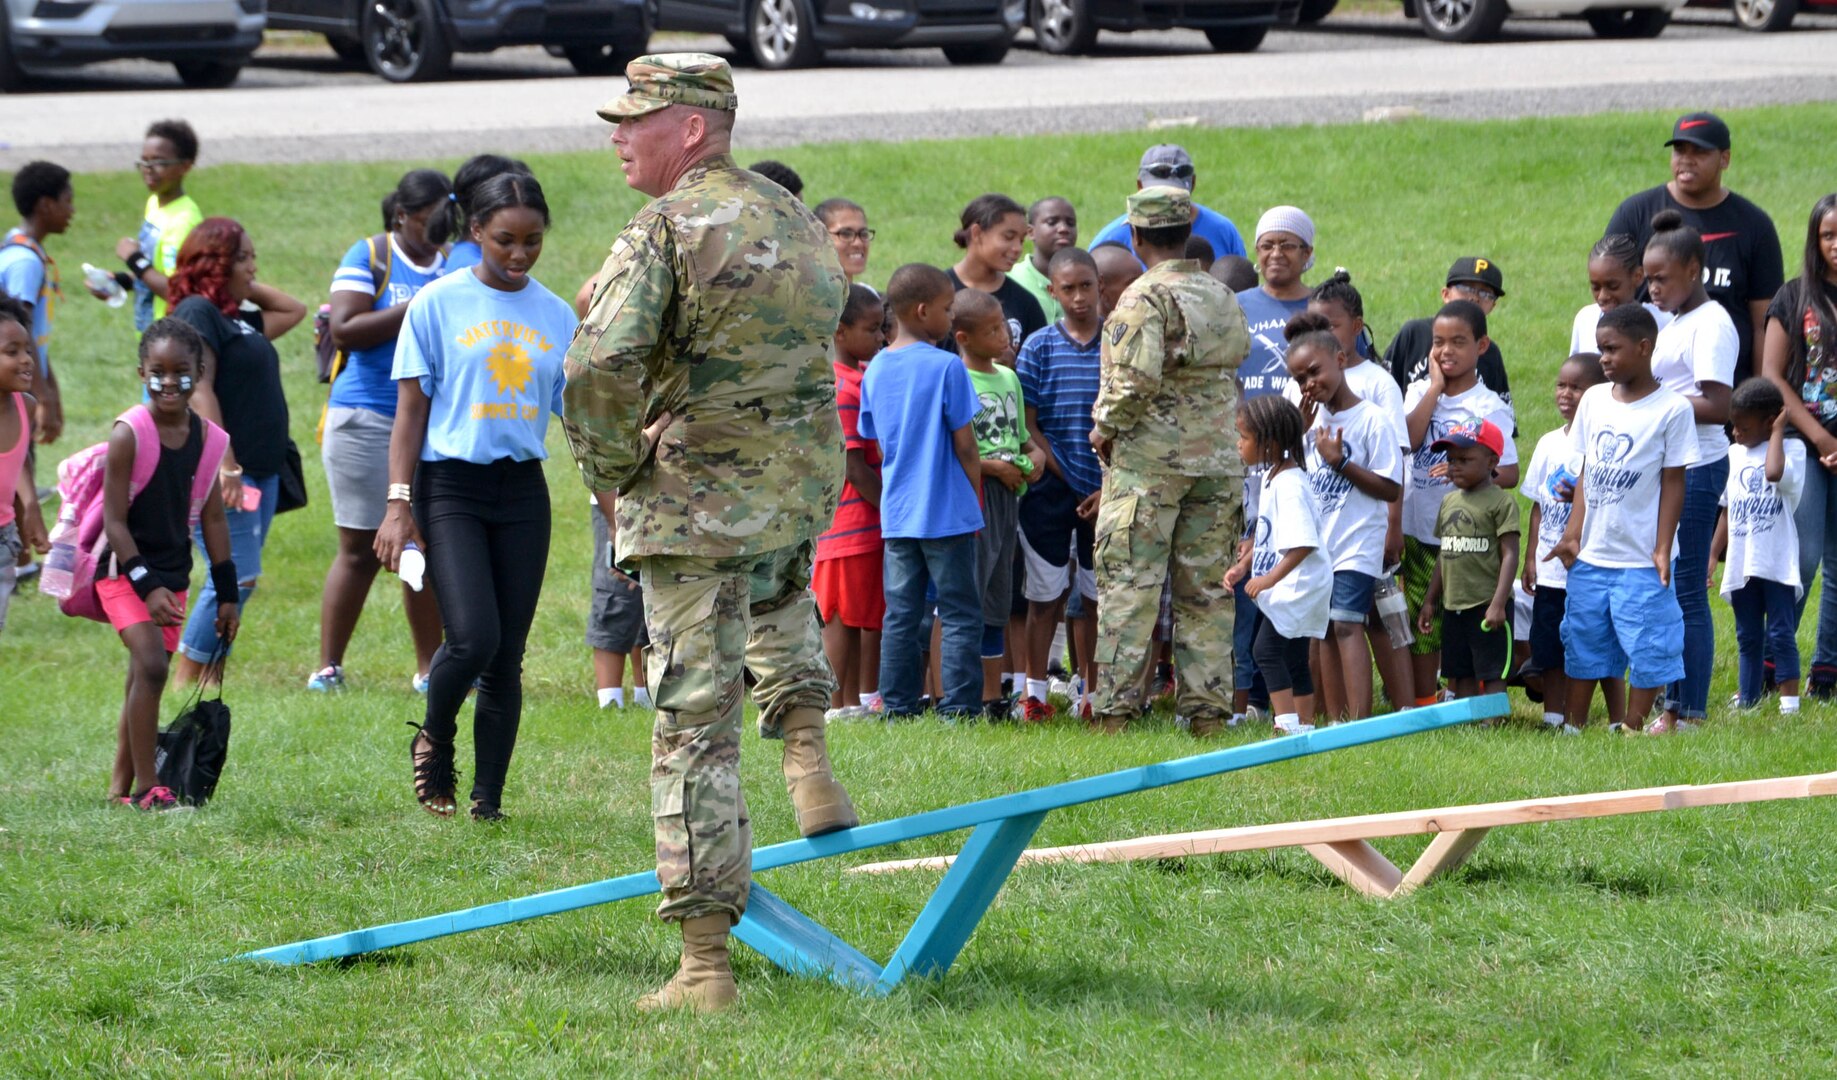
{"x": 1697, "y": 943}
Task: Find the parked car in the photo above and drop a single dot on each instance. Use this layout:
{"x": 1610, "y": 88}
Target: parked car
{"x": 794, "y": 33}
{"x": 207, "y": 41}
{"x": 1479, "y": 20}
{"x": 1070, "y": 26}
{"x": 414, "y": 40}
{"x": 1770, "y": 16}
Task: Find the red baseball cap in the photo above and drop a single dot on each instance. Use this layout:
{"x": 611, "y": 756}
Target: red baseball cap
{"x": 1485, "y": 433}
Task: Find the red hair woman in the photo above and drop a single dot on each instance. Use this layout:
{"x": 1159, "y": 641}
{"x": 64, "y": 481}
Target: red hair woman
{"x": 214, "y": 291}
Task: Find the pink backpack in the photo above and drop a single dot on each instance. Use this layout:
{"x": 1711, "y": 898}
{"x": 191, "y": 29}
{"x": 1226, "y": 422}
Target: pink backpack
{"x": 79, "y": 486}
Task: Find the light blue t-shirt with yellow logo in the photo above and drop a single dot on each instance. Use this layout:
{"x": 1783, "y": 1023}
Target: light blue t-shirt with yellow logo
{"x": 490, "y": 361}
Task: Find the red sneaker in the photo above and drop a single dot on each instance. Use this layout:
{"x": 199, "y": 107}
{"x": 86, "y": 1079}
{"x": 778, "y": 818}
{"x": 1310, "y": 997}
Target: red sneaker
{"x": 1035, "y": 711}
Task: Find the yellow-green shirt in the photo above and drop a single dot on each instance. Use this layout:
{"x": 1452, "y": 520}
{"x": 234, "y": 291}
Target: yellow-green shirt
{"x": 161, "y": 235}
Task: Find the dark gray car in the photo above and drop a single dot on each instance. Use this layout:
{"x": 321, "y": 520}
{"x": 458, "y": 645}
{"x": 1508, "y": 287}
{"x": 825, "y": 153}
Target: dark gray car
{"x": 414, "y": 40}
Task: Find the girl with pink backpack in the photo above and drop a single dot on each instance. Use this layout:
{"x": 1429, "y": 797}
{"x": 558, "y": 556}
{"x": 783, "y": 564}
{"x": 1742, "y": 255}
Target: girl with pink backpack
{"x": 147, "y": 516}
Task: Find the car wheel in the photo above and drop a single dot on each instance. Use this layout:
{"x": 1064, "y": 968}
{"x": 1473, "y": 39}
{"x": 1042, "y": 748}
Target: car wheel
{"x": 12, "y": 76}
{"x": 1767, "y": 16}
{"x": 1064, "y": 27}
{"x": 1312, "y": 11}
{"x": 1629, "y": 22}
{"x": 987, "y": 52}
{"x": 1461, "y": 20}
{"x": 1236, "y": 39}
{"x": 349, "y": 51}
{"x": 607, "y": 59}
{"x": 403, "y": 41}
{"x": 207, "y": 74}
{"x": 782, "y": 34}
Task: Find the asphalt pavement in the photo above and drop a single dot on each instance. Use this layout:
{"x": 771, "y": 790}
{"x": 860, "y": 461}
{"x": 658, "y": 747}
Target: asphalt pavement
{"x": 300, "y": 103}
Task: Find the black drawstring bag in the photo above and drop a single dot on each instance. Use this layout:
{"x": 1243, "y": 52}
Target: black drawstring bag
{"x": 193, "y": 748}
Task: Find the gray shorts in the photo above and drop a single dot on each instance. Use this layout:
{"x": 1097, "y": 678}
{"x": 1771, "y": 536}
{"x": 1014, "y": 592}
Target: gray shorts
{"x": 9, "y": 569}
{"x": 356, "y": 456}
{"x": 615, "y": 619}
{"x": 995, "y": 546}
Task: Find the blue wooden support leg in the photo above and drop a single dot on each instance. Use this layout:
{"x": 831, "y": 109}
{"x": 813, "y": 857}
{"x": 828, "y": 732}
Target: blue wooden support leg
{"x": 792, "y": 940}
{"x": 961, "y": 899}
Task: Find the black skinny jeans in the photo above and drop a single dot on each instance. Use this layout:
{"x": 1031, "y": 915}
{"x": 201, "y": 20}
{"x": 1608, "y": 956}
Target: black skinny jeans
{"x": 487, "y": 534}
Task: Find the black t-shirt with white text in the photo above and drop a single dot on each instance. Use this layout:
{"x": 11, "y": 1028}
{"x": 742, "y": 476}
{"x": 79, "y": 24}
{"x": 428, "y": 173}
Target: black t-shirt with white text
{"x": 1741, "y": 254}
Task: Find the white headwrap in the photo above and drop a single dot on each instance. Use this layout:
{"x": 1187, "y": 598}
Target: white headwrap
{"x": 1288, "y": 219}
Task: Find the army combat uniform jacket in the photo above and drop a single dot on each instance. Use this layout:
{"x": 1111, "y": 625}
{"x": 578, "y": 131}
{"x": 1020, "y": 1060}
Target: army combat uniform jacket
{"x": 702, "y": 309}
{"x": 1168, "y": 396}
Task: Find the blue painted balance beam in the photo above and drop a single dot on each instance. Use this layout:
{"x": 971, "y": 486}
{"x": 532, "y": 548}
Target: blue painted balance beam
{"x": 1002, "y": 827}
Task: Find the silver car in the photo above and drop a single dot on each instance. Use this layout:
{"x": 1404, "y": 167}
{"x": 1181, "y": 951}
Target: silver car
{"x": 207, "y": 41}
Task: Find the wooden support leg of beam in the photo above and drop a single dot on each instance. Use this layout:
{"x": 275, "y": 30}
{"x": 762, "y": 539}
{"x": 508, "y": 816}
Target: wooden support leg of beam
{"x": 1443, "y": 855}
{"x": 1359, "y": 865}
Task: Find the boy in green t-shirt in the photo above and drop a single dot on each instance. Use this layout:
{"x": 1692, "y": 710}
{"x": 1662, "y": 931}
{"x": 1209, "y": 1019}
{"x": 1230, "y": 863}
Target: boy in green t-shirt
{"x": 1477, "y": 562}
{"x": 166, "y": 157}
{"x": 1009, "y": 457}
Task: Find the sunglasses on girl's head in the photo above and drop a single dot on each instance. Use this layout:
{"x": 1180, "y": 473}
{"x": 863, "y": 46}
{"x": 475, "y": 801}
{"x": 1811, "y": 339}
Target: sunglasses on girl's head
{"x": 1170, "y": 172}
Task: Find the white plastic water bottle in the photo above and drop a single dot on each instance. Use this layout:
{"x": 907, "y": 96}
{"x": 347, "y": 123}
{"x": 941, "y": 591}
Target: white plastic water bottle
{"x": 104, "y": 282}
{"x": 411, "y": 566}
{"x": 1394, "y": 611}
{"x": 57, "y": 578}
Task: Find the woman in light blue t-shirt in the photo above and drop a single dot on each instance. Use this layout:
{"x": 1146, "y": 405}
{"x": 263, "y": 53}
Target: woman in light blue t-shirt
{"x": 478, "y": 369}
{"x": 370, "y": 293}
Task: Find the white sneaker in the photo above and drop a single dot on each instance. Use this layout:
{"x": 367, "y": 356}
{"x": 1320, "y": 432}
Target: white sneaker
{"x": 846, "y": 712}
{"x": 1296, "y": 728}
{"x": 1060, "y": 687}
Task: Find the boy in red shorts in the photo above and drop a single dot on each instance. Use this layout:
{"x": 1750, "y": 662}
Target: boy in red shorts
{"x": 848, "y": 576}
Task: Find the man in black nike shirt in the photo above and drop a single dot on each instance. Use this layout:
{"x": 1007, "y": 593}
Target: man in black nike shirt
{"x": 1741, "y": 265}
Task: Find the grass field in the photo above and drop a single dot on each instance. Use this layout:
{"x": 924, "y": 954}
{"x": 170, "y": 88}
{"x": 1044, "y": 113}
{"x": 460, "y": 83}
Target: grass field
{"x": 1693, "y": 944}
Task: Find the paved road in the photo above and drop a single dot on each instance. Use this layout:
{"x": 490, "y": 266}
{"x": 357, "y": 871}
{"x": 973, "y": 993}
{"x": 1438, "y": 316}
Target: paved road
{"x": 301, "y": 105}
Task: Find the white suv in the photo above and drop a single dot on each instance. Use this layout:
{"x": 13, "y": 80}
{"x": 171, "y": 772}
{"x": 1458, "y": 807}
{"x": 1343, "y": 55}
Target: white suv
{"x": 208, "y": 41}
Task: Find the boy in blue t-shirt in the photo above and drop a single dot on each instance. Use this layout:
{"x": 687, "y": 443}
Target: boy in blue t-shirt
{"x": 918, "y": 402}
{"x": 43, "y": 196}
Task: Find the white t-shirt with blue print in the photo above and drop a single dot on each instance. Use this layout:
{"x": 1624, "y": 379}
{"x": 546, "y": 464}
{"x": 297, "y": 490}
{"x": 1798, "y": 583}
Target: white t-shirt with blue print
{"x": 1763, "y": 544}
{"x": 491, "y": 363}
{"x": 365, "y": 382}
{"x": 1625, "y": 447}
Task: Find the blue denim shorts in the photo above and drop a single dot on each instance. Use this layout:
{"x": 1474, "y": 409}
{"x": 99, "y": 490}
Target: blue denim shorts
{"x": 1352, "y": 592}
{"x": 1621, "y": 620}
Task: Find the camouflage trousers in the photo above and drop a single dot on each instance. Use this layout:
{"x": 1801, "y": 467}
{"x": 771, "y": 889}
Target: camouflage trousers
{"x": 1150, "y": 527}
{"x": 709, "y": 619}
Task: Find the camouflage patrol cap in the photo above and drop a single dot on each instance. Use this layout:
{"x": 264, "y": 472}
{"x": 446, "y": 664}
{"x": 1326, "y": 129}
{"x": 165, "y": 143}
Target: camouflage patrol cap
{"x": 1161, "y": 207}
{"x": 664, "y": 79}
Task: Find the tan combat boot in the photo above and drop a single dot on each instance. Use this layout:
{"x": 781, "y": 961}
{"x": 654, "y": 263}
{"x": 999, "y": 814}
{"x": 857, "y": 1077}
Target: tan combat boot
{"x": 705, "y": 981}
{"x": 822, "y": 804}
{"x": 1206, "y": 727}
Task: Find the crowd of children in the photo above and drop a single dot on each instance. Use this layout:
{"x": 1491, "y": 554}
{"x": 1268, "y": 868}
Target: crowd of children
{"x": 957, "y": 574}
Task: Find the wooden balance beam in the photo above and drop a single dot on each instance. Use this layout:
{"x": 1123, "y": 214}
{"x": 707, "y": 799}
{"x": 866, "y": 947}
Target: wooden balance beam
{"x": 1000, "y": 828}
{"x": 1343, "y": 844}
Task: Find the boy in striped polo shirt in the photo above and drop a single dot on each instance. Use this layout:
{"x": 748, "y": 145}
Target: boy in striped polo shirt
{"x": 1059, "y": 368}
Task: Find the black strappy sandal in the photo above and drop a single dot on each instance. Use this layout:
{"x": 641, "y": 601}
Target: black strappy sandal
{"x": 484, "y": 811}
{"x": 435, "y": 776}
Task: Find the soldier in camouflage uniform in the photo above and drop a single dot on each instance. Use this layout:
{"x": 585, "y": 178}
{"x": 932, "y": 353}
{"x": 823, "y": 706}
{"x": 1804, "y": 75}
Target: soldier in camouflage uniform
{"x": 700, "y": 388}
{"x": 1172, "y": 501}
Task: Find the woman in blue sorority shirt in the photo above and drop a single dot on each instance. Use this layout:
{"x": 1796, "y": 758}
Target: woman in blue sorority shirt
{"x": 370, "y": 294}
{"x": 478, "y": 365}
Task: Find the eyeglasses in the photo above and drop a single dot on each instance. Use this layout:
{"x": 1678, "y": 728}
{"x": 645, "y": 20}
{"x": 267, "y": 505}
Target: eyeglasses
{"x": 1286, "y": 247}
{"x": 150, "y": 164}
{"x": 1161, "y": 171}
{"x": 849, "y": 236}
{"x": 1477, "y": 293}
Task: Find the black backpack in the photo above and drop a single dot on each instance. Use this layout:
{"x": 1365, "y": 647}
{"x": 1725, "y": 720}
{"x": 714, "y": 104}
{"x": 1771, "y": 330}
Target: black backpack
{"x": 193, "y": 748}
